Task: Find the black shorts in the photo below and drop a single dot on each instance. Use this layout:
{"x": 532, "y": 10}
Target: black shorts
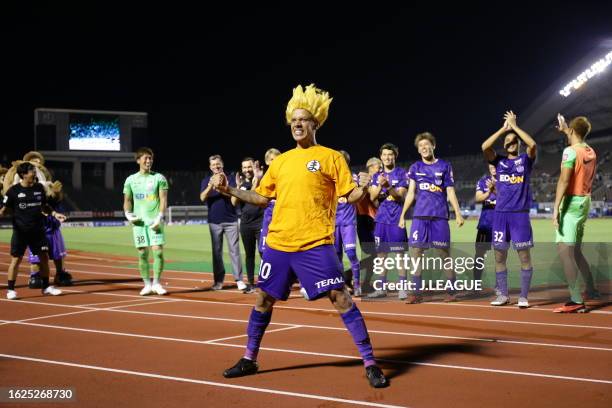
{"x": 484, "y": 238}
{"x": 35, "y": 239}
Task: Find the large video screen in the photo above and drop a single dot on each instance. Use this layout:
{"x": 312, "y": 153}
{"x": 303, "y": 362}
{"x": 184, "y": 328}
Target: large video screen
{"x": 94, "y": 132}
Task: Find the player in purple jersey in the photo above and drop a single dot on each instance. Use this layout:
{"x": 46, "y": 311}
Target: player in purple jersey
{"x": 511, "y": 219}
{"x": 485, "y": 194}
{"x": 389, "y": 189}
{"x": 432, "y": 185}
{"x": 345, "y": 236}
{"x": 270, "y": 155}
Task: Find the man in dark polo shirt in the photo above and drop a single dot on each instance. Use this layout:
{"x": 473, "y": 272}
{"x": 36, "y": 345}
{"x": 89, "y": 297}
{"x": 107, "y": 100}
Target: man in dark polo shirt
{"x": 251, "y": 217}
{"x": 222, "y": 219}
{"x": 28, "y": 204}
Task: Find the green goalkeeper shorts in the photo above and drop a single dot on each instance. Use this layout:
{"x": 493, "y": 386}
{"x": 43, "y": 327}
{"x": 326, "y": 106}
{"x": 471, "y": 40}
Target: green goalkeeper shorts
{"x": 145, "y": 236}
{"x": 573, "y": 214}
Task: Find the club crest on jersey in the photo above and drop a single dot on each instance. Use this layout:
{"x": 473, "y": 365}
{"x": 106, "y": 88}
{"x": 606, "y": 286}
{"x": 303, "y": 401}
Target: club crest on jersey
{"x": 520, "y": 169}
{"x": 313, "y": 166}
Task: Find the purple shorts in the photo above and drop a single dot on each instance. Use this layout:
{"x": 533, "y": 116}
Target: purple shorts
{"x": 512, "y": 226}
{"x": 390, "y": 238}
{"x": 345, "y": 237}
{"x": 430, "y": 233}
{"x": 57, "y": 248}
{"x": 318, "y": 270}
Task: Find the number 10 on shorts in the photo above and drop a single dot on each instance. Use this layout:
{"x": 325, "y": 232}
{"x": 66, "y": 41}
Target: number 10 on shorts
{"x": 264, "y": 270}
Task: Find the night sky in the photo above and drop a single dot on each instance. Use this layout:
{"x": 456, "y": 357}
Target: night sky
{"x": 217, "y": 80}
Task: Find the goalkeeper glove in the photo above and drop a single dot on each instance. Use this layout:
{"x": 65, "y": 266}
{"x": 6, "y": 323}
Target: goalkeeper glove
{"x": 131, "y": 217}
{"x": 158, "y": 220}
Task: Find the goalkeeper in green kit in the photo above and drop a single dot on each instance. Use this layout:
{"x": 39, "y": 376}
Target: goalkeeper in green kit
{"x": 145, "y": 198}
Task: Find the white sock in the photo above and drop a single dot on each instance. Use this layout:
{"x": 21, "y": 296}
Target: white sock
{"x": 147, "y": 282}
{"x": 155, "y": 281}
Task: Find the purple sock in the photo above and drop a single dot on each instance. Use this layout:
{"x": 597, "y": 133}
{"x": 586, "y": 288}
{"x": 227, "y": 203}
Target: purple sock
{"x": 418, "y": 281}
{"x": 526, "y": 275}
{"x": 258, "y": 322}
{"x": 353, "y": 320}
{"x": 501, "y": 278}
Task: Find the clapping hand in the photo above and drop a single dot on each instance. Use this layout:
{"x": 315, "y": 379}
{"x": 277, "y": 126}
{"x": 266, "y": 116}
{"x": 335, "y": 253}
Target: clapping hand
{"x": 219, "y": 182}
{"x": 363, "y": 179}
{"x": 383, "y": 181}
{"x": 562, "y": 126}
{"x": 510, "y": 119}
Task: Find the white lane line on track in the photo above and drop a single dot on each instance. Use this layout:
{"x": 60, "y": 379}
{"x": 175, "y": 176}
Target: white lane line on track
{"x": 172, "y": 315}
{"x": 201, "y": 382}
{"x": 457, "y": 367}
{"x": 366, "y": 312}
{"x": 245, "y": 335}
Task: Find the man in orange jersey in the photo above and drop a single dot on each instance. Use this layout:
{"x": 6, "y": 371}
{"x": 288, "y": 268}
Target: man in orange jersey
{"x": 571, "y": 210}
{"x": 306, "y": 182}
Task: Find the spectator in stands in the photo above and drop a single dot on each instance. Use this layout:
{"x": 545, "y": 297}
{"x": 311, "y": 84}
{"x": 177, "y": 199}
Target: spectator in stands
{"x": 222, "y": 219}
{"x": 251, "y": 217}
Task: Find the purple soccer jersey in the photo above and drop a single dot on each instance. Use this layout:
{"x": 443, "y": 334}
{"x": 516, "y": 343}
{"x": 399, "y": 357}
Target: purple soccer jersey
{"x": 431, "y": 183}
{"x": 488, "y": 206}
{"x": 390, "y": 210}
{"x": 513, "y": 191}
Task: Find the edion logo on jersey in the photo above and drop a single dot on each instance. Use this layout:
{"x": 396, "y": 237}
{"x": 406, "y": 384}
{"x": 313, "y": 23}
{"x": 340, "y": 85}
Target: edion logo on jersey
{"x": 505, "y": 178}
{"x": 430, "y": 187}
{"x": 313, "y": 166}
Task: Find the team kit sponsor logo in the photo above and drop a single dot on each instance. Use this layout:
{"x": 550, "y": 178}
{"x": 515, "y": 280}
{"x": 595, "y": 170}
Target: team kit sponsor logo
{"x": 511, "y": 179}
{"x": 328, "y": 282}
{"x": 430, "y": 187}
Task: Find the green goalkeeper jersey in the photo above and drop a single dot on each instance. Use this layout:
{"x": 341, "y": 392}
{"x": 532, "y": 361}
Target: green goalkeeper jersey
{"x": 144, "y": 190}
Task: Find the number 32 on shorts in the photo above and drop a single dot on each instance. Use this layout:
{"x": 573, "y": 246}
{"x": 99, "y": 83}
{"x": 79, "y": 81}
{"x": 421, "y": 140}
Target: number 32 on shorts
{"x": 498, "y": 236}
{"x": 264, "y": 270}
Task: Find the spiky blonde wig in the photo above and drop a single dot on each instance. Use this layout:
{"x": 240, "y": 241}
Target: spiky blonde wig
{"x": 312, "y": 99}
